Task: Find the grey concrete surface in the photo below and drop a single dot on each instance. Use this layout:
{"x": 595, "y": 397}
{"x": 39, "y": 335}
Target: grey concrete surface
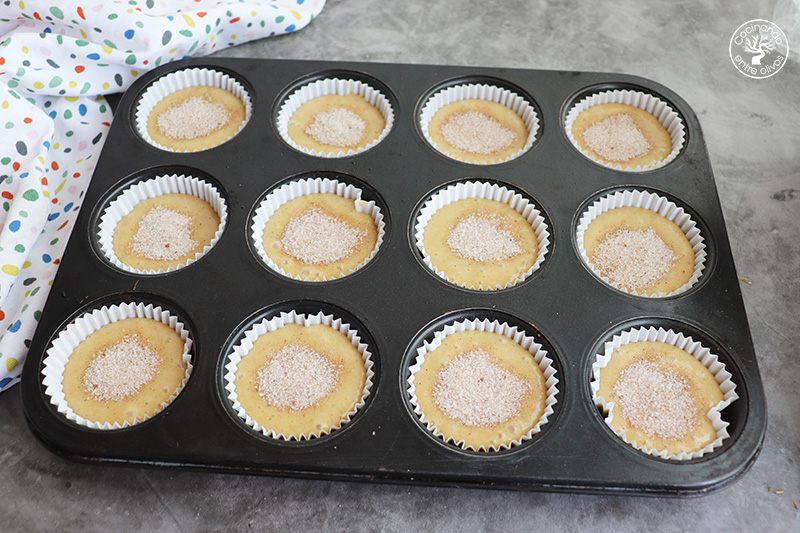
{"x": 751, "y": 128}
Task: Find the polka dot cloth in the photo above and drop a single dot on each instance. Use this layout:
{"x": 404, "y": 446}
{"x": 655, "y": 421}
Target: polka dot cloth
{"x": 56, "y": 62}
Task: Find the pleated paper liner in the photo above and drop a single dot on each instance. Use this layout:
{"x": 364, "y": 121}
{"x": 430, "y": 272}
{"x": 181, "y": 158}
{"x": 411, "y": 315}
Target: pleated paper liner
{"x": 698, "y": 351}
{"x": 72, "y": 335}
{"x": 658, "y": 204}
{"x": 241, "y": 349}
{"x": 667, "y": 117}
{"x": 538, "y": 353}
{"x": 302, "y": 187}
{"x": 183, "y": 79}
{"x": 490, "y": 191}
{"x": 480, "y": 91}
{"x": 333, "y": 86}
{"x": 123, "y": 204}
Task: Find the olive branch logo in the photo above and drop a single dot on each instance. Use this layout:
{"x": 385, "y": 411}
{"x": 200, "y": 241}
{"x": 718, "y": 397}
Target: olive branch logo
{"x": 758, "y": 45}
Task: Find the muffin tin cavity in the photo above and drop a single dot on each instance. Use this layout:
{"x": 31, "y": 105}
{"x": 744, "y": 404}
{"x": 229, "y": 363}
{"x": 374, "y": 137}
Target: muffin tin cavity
{"x": 329, "y": 84}
{"x": 335, "y": 233}
{"x": 485, "y": 403}
{"x": 169, "y": 227}
{"x": 481, "y": 235}
{"x": 90, "y": 321}
{"x": 727, "y": 416}
{"x": 657, "y": 203}
{"x": 634, "y": 96}
{"x": 184, "y": 79}
{"x": 392, "y": 306}
{"x": 284, "y": 371}
{"x": 479, "y": 149}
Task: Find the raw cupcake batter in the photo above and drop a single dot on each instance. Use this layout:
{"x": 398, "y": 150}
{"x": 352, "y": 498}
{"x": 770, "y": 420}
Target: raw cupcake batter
{"x": 333, "y": 123}
{"x": 165, "y": 231}
{"x": 639, "y": 250}
{"x": 482, "y": 388}
{"x": 478, "y": 131}
{"x": 480, "y": 243}
{"x": 301, "y": 381}
{"x": 622, "y": 134}
{"x": 319, "y": 236}
{"x": 196, "y": 118}
{"x": 662, "y": 396}
{"x": 124, "y": 371}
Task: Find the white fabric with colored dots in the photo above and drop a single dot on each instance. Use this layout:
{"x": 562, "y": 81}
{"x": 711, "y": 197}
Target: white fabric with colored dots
{"x": 56, "y": 62}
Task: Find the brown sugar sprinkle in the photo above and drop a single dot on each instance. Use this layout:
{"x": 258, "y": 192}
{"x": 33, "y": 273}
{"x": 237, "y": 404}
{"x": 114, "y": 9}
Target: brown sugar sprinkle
{"x": 163, "y": 235}
{"x": 656, "y": 399}
{"x": 480, "y": 236}
{"x": 634, "y": 259}
{"x": 616, "y": 138}
{"x": 296, "y": 378}
{"x": 476, "y": 391}
{"x": 195, "y": 117}
{"x": 317, "y": 238}
{"x": 477, "y": 133}
{"x": 120, "y": 370}
{"x": 337, "y": 127}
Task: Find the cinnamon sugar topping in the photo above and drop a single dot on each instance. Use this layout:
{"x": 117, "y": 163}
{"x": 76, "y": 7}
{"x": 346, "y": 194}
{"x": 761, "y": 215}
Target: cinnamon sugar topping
{"x": 480, "y": 236}
{"x": 296, "y": 378}
{"x": 163, "y": 234}
{"x": 315, "y": 237}
{"x": 195, "y": 117}
{"x": 635, "y": 259}
{"x": 120, "y": 370}
{"x": 477, "y": 133}
{"x": 476, "y": 391}
{"x": 616, "y": 138}
{"x": 656, "y": 399}
{"x": 337, "y": 127}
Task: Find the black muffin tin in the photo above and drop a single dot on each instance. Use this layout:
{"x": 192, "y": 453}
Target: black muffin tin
{"x": 395, "y": 302}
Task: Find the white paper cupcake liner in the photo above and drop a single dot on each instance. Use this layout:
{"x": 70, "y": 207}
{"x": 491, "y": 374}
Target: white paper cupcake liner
{"x": 76, "y": 332}
{"x": 183, "y": 79}
{"x": 325, "y": 87}
{"x": 298, "y": 188}
{"x": 668, "y": 118}
{"x": 662, "y": 206}
{"x": 493, "y": 326}
{"x": 243, "y": 347}
{"x": 491, "y": 93}
{"x": 694, "y": 348}
{"x": 489, "y": 191}
{"x": 152, "y": 188}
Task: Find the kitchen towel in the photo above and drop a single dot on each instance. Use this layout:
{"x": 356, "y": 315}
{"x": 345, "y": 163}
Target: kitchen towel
{"x": 57, "y": 60}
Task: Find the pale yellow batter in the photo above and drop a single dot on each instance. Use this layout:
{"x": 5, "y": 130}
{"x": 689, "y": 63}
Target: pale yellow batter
{"x": 497, "y": 119}
{"x": 480, "y": 423}
{"x": 300, "y": 124}
{"x": 642, "y": 219}
{"x": 651, "y": 129}
{"x": 319, "y": 236}
{"x": 203, "y": 223}
{"x": 480, "y": 243}
{"x": 682, "y": 379}
{"x": 218, "y": 113}
{"x": 162, "y": 340}
{"x": 325, "y": 414}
